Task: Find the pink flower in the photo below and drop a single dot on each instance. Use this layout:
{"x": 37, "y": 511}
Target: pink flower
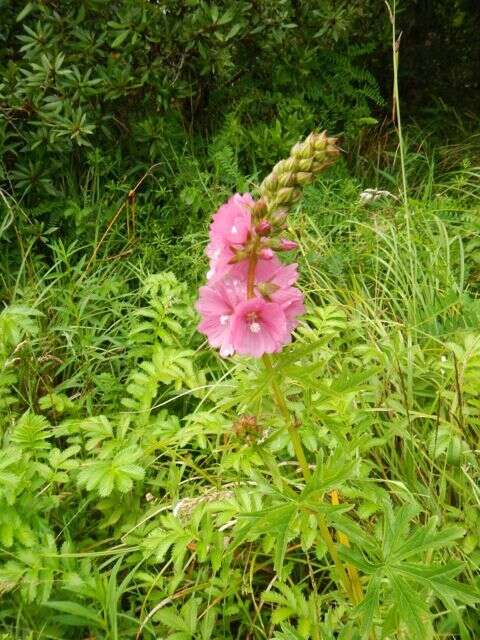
{"x": 216, "y": 305}
{"x": 232, "y": 222}
{"x": 268, "y": 271}
{"x": 258, "y": 327}
{"x": 231, "y": 321}
{"x": 219, "y": 262}
{"x": 287, "y": 245}
{"x": 229, "y": 230}
{"x": 291, "y": 301}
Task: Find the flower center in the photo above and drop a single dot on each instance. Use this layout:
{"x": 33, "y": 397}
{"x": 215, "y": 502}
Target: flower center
{"x": 224, "y": 319}
{"x": 255, "y": 327}
{"x": 234, "y": 229}
{"x": 253, "y": 324}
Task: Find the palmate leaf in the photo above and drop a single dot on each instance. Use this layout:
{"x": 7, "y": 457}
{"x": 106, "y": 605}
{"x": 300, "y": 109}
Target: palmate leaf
{"x": 329, "y": 475}
{"x": 440, "y": 580}
{"x": 369, "y": 605}
{"x": 410, "y": 605}
{"x": 426, "y": 538}
{"x": 406, "y": 586}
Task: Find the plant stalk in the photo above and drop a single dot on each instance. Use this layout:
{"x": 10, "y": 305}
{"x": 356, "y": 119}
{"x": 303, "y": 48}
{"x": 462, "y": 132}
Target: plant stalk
{"x": 302, "y": 461}
{"x": 300, "y": 453}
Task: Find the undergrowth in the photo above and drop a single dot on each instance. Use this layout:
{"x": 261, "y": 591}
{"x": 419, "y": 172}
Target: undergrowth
{"x": 148, "y": 488}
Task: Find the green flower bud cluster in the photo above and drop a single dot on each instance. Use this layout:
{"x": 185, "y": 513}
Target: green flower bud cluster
{"x": 282, "y": 187}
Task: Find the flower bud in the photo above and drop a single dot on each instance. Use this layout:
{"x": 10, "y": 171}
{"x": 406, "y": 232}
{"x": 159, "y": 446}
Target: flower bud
{"x": 307, "y": 159}
{"x": 266, "y": 253}
{"x": 279, "y": 217}
{"x": 303, "y": 178}
{"x": 267, "y": 289}
{"x": 285, "y": 195}
{"x": 263, "y": 228}
{"x": 287, "y": 245}
{"x": 259, "y": 208}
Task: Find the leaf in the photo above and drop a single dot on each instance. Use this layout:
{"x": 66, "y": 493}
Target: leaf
{"x": 369, "y": 605}
{"x": 122, "y": 36}
{"x": 28, "y": 8}
{"x": 424, "y": 539}
{"x": 282, "y": 537}
{"x": 440, "y": 579}
{"x": 77, "y": 610}
{"x": 408, "y": 603}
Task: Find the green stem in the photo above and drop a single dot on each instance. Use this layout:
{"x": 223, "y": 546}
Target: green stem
{"x": 302, "y": 461}
{"x": 292, "y": 428}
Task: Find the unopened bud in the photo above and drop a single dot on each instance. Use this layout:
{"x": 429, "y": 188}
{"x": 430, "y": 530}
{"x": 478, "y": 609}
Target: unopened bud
{"x": 259, "y": 208}
{"x": 285, "y": 195}
{"x": 267, "y": 289}
{"x": 303, "y": 178}
{"x": 279, "y": 216}
{"x": 286, "y": 179}
{"x": 263, "y": 228}
{"x": 266, "y": 253}
{"x": 281, "y": 187}
{"x": 287, "y": 245}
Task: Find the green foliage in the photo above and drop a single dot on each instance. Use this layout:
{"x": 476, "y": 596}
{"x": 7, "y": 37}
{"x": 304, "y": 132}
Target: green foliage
{"x": 87, "y": 86}
{"x": 131, "y": 499}
{"x": 148, "y": 488}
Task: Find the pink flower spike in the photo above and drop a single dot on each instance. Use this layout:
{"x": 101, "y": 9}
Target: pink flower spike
{"x": 232, "y": 222}
{"x": 216, "y": 305}
{"x": 258, "y": 327}
{"x": 287, "y": 245}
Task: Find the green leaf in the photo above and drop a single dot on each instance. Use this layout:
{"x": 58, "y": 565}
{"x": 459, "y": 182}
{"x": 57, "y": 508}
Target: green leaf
{"x": 281, "y": 540}
{"x": 369, "y": 605}
{"x": 409, "y": 605}
{"x": 77, "y": 610}
{"x": 120, "y": 39}
{"x": 440, "y": 579}
{"x": 28, "y": 8}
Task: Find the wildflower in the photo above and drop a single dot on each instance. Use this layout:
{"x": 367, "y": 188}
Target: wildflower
{"x": 291, "y": 301}
{"x": 258, "y": 327}
{"x": 216, "y": 305}
{"x": 230, "y": 229}
{"x": 250, "y": 305}
{"x": 268, "y": 270}
{"x": 232, "y": 222}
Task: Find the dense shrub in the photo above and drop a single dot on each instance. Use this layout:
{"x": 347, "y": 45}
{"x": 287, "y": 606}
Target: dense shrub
{"x": 94, "y": 87}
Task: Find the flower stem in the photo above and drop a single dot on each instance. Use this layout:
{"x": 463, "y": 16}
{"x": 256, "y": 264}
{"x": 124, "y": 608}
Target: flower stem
{"x": 252, "y": 264}
{"x": 291, "y": 426}
{"x": 302, "y": 461}
{"x": 296, "y": 441}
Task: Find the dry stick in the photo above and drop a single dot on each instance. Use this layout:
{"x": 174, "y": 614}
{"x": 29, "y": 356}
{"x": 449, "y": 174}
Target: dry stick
{"x": 128, "y": 201}
{"x": 351, "y": 570}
